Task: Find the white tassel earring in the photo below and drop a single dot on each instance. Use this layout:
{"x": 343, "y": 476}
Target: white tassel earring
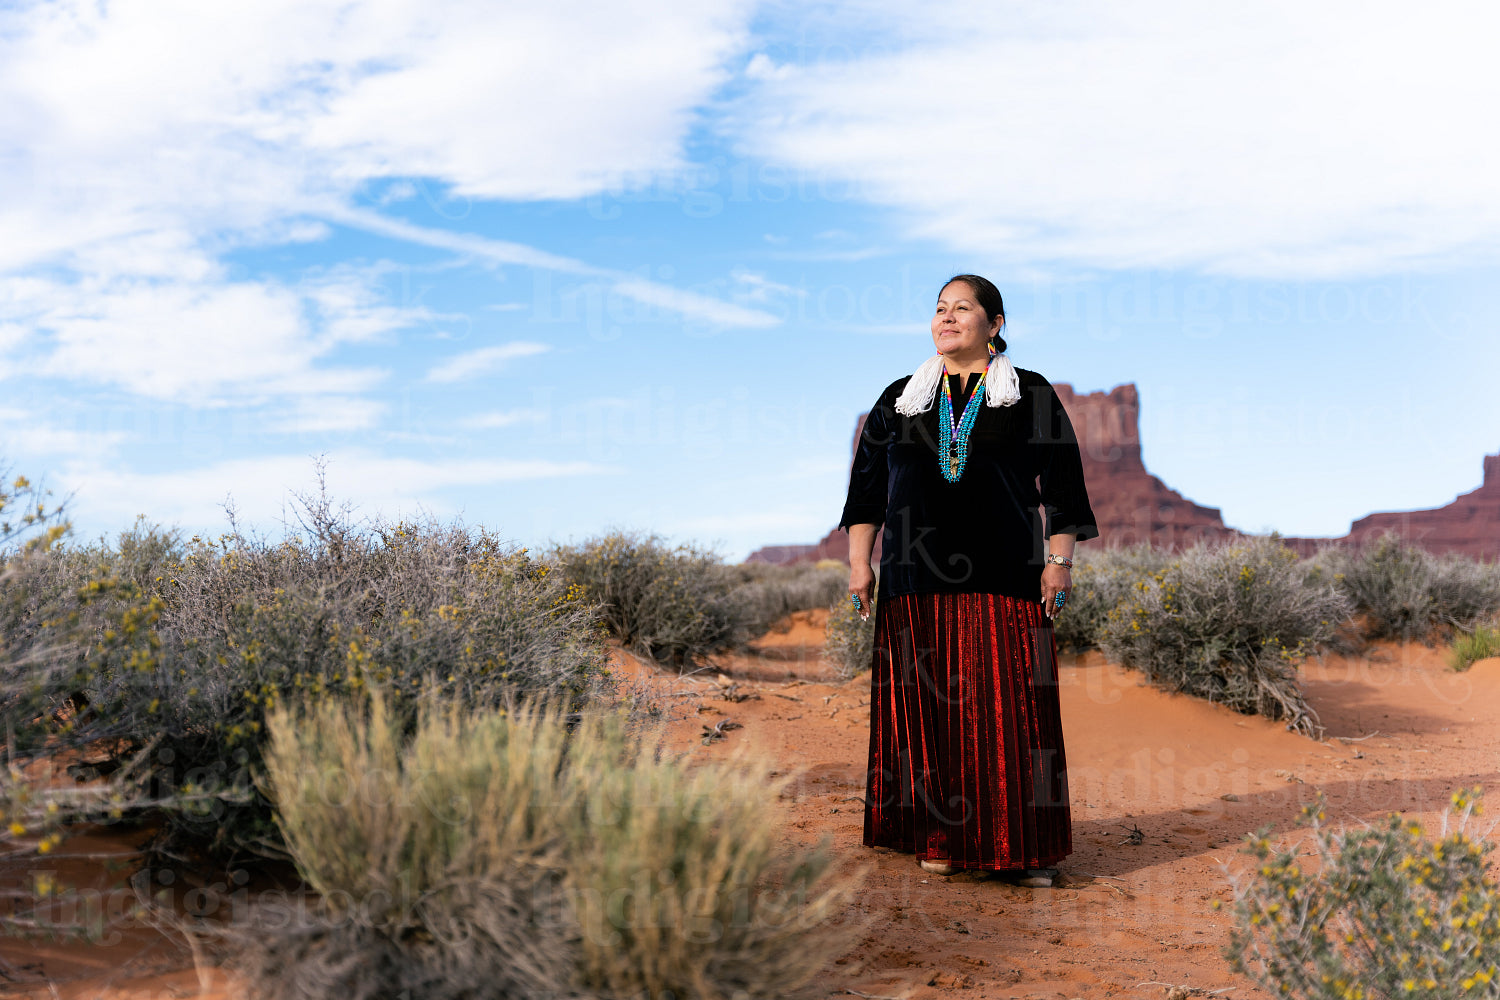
{"x": 1001, "y": 385}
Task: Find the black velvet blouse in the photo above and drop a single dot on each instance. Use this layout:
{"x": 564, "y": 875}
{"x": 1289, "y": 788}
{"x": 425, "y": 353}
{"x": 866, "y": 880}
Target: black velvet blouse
{"x": 985, "y": 533}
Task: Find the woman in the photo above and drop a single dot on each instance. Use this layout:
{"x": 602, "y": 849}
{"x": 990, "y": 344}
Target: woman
{"x": 966, "y": 754}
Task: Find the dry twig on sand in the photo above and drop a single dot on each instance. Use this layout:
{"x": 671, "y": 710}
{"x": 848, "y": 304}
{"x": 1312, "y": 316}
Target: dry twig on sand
{"x": 716, "y": 732}
{"x": 1181, "y": 991}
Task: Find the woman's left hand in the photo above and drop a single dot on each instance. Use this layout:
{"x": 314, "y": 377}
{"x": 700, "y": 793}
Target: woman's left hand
{"x": 1055, "y": 578}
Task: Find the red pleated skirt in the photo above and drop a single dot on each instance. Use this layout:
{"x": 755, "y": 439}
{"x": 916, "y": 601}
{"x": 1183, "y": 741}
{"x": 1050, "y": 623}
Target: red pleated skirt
{"x": 966, "y": 747}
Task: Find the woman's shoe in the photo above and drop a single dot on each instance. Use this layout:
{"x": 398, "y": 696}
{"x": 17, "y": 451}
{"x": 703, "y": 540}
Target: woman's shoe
{"x": 1037, "y": 878}
{"x": 938, "y": 867}
{"x": 1031, "y": 878}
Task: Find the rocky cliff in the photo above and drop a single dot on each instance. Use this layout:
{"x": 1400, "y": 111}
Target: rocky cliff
{"x": 1131, "y": 505}
{"x": 1470, "y": 525}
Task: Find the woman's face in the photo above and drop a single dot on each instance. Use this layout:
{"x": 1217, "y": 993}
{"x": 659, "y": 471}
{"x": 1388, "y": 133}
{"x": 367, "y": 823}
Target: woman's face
{"x": 959, "y": 326}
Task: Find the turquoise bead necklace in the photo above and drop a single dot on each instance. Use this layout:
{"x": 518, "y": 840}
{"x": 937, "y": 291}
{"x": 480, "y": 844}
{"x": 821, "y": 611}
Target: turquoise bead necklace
{"x": 959, "y": 431}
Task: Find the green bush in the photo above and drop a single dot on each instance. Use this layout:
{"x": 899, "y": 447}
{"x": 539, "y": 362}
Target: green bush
{"x": 1405, "y": 592}
{"x": 1479, "y": 644}
{"x": 1385, "y": 911}
{"x": 169, "y": 654}
{"x": 849, "y": 642}
{"x": 1229, "y": 622}
{"x": 436, "y": 859}
{"x": 1466, "y": 591}
{"x": 1103, "y": 579}
{"x": 684, "y": 881}
{"x": 675, "y": 605}
{"x": 491, "y": 854}
{"x": 766, "y": 594}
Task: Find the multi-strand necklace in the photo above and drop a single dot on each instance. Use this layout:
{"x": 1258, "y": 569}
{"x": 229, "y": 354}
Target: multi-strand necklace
{"x": 958, "y": 430}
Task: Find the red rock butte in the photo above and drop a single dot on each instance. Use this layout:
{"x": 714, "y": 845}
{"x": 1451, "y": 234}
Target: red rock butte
{"x": 1133, "y": 506}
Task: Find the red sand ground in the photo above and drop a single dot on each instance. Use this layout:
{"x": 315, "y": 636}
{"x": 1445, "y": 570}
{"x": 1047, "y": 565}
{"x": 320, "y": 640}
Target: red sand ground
{"x": 1125, "y": 920}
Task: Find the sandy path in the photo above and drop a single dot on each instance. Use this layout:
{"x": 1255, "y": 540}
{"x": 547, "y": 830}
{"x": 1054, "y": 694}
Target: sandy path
{"x": 1138, "y": 758}
{"x": 1123, "y": 914}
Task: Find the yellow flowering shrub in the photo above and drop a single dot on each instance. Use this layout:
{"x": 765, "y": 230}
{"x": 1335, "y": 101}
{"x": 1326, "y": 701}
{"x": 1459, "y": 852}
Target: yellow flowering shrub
{"x": 1229, "y": 622}
{"x": 1103, "y": 579}
{"x": 1402, "y": 591}
{"x": 1390, "y": 910}
{"x": 170, "y": 653}
{"x": 26, "y": 516}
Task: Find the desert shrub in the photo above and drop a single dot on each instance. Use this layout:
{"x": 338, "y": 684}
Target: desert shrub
{"x": 491, "y": 854}
{"x": 680, "y": 604}
{"x": 766, "y": 595}
{"x": 1102, "y": 580}
{"x": 437, "y": 860}
{"x": 174, "y": 651}
{"x": 1468, "y": 647}
{"x": 1465, "y": 591}
{"x": 849, "y": 642}
{"x": 1387, "y": 911}
{"x": 26, "y": 515}
{"x": 1405, "y": 592}
{"x": 1229, "y": 622}
{"x": 684, "y": 883}
{"x": 669, "y": 604}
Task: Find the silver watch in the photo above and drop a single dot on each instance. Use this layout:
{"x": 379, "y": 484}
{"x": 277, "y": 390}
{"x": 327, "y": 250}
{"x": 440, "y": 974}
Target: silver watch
{"x": 1053, "y": 557}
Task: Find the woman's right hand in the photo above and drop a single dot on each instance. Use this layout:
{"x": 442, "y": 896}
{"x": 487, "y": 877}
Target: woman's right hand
{"x": 862, "y": 585}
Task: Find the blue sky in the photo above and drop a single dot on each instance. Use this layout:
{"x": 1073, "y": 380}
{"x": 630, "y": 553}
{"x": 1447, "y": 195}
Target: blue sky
{"x": 562, "y": 270}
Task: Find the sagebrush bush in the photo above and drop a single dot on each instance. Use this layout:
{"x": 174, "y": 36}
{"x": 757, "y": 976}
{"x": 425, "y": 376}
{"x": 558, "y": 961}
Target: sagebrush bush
{"x": 849, "y": 640}
{"x": 1467, "y": 648}
{"x": 1405, "y": 592}
{"x": 683, "y": 879}
{"x": 680, "y": 604}
{"x": 1103, "y": 579}
{"x": 666, "y": 603}
{"x": 1230, "y": 622}
{"x": 437, "y": 858}
{"x": 767, "y": 594}
{"x": 176, "y": 650}
{"x": 1385, "y": 911}
{"x": 493, "y": 854}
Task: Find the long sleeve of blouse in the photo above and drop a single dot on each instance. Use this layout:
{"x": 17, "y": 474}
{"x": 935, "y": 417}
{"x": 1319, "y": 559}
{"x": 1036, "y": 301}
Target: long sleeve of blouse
{"x": 1023, "y": 482}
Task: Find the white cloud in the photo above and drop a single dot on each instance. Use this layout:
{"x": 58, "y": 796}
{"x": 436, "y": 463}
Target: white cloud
{"x": 197, "y": 342}
{"x": 27, "y": 435}
{"x": 1286, "y": 139}
{"x": 262, "y": 487}
{"x": 751, "y": 286}
{"x": 325, "y": 414}
{"x": 650, "y": 293}
{"x": 502, "y": 418}
{"x": 691, "y": 304}
{"x": 144, "y": 138}
{"x": 116, "y": 115}
{"x": 350, "y": 308}
{"x": 12, "y": 336}
{"x": 484, "y": 361}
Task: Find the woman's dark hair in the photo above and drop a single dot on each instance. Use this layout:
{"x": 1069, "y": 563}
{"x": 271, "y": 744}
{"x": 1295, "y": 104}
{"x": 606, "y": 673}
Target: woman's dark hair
{"x": 988, "y": 297}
